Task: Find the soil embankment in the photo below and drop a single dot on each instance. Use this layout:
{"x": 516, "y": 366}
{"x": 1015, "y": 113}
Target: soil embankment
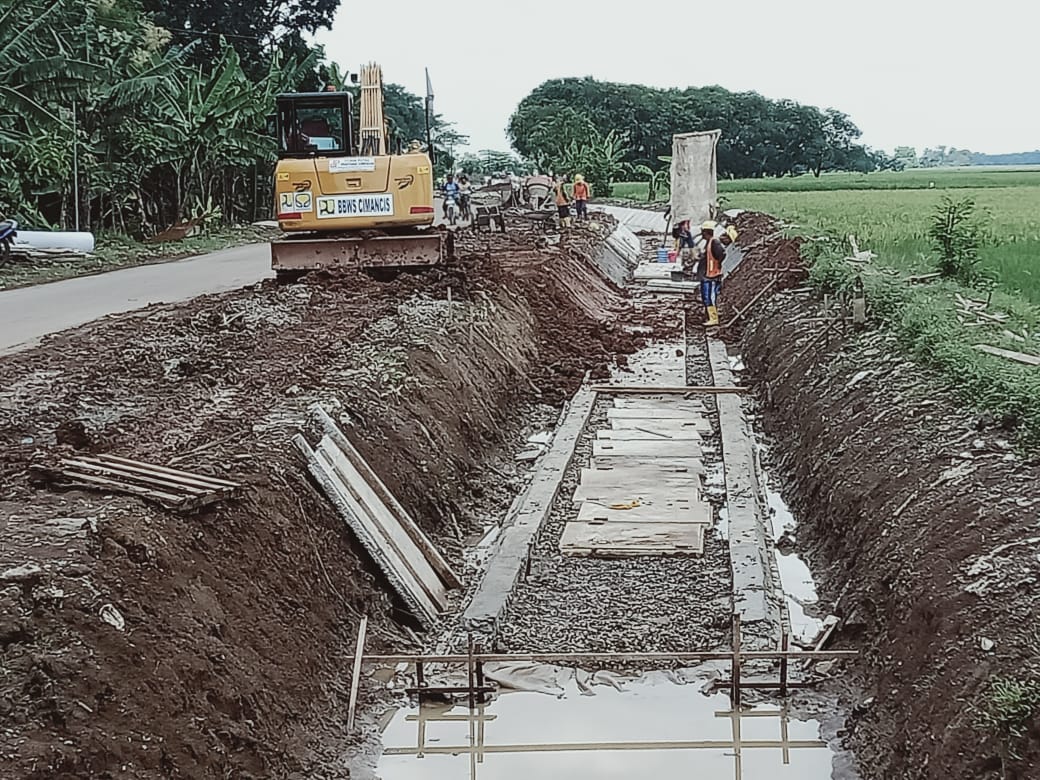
{"x": 239, "y": 619}
{"x": 920, "y": 519}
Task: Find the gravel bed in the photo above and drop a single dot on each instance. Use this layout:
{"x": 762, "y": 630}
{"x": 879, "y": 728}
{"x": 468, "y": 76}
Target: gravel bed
{"x": 647, "y": 604}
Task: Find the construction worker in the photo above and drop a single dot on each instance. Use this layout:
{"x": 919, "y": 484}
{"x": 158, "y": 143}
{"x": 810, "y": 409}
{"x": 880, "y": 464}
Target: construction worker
{"x": 709, "y": 263}
{"x": 581, "y": 197}
{"x": 563, "y": 202}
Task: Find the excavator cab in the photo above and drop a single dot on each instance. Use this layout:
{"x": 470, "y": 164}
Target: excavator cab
{"x": 307, "y": 124}
{"x": 340, "y": 197}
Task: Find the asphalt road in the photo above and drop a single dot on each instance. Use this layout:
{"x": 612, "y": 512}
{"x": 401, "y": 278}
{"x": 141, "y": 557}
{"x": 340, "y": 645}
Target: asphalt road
{"x": 29, "y": 313}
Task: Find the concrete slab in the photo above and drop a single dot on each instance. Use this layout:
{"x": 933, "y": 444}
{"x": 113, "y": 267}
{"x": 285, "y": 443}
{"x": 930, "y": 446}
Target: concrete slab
{"x": 622, "y": 540}
{"x": 644, "y": 448}
{"x": 637, "y": 220}
{"x": 755, "y": 594}
{"x": 645, "y": 271}
{"x": 697, "y": 426}
{"x": 674, "y": 510}
{"x": 690, "y": 465}
{"x": 635, "y": 434}
{"x": 654, "y": 413}
{"x": 640, "y": 477}
{"x": 659, "y": 402}
{"x": 605, "y": 495}
{"x": 660, "y": 364}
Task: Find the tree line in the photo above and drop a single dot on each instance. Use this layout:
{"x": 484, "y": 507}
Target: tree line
{"x": 131, "y": 115}
{"x": 615, "y": 129}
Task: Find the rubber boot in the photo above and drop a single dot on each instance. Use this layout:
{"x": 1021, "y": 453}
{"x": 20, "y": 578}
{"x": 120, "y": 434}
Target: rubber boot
{"x": 713, "y": 317}
{"x": 566, "y": 222}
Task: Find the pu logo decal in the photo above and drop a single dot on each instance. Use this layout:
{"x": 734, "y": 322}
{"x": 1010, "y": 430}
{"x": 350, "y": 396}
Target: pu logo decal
{"x": 326, "y": 207}
{"x": 405, "y": 181}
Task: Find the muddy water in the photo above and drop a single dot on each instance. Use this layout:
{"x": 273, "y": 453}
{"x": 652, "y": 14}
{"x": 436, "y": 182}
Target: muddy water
{"x": 649, "y": 727}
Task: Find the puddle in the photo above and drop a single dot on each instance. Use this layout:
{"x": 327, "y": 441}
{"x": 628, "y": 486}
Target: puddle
{"x": 651, "y": 727}
{"x": 795, "y": 576}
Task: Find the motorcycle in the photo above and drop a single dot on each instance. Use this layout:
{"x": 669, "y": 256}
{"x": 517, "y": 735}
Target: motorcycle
{"x": 451, "y": 210}
{"x": 8, "y": 230}
{"x": 465, "y": 209}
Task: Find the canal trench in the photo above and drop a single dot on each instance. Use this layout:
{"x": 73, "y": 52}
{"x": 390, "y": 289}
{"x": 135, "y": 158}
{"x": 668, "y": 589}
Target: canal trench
{"x": 644, "y": 601}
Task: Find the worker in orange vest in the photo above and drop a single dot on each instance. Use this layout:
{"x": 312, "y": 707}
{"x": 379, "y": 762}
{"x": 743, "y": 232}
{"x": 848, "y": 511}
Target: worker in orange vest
{"x": 582, "y": 193}
{"x": 710, "y": 267}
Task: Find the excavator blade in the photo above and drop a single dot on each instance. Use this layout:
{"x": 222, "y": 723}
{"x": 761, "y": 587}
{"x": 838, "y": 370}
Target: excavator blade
{"x": 308, "y": 254}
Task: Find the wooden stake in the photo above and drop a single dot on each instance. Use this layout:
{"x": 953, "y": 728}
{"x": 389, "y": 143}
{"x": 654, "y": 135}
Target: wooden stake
{"x": 735, "y": 692}
{"x": 355, "y": 680}
{"x": 666, "y": 389}
{"x": 783, "y": 664}
{"x": 751, "y": 303}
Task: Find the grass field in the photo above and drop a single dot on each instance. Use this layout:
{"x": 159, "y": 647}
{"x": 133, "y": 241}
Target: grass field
{"x": 889, "y": 214}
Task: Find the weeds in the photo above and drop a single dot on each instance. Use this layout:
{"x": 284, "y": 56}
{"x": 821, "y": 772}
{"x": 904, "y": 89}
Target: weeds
{"x": 956, "y": 235}
{"x": 1007, "y": 711}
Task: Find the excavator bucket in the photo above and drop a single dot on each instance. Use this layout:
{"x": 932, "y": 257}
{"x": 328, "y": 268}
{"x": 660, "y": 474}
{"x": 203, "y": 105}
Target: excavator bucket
{"x": 306, "y": 253}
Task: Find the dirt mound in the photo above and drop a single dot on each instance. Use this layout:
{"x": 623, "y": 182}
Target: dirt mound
{"x": 769, "y": 259}
{"x": 923, "y": 518}
{"x": 152, "y": 644}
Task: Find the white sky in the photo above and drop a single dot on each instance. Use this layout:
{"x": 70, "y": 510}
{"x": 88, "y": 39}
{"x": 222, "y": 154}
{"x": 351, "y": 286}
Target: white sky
{"x": 909, "y": 72}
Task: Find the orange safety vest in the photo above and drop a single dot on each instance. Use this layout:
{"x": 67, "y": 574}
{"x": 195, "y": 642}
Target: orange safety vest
{"x": 712, "y": 266}
{"x": 581, "y": 191}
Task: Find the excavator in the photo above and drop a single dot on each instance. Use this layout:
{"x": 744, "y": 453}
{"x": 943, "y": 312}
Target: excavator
{"x": 346, "y": 201}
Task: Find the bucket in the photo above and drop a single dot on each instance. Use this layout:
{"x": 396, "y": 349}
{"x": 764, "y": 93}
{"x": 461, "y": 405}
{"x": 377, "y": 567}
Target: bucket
{"x": 672, "y": 256}
{"x": 662, "y": 255}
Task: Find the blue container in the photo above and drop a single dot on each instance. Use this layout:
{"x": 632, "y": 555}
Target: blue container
{"x": 662, "y": 255}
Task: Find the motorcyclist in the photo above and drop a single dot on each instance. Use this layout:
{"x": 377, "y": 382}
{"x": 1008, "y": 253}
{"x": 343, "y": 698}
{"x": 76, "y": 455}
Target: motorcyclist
{"x": 450, "y": 190}
{"x": 464, "y": 192}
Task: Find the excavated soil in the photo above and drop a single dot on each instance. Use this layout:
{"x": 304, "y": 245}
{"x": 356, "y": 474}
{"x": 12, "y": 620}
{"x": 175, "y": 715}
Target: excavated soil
{"x": 239, "y": 620}
{"x": 920, "y": 519}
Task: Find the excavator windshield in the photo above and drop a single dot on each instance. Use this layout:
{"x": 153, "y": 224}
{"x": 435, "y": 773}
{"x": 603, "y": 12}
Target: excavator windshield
{"x": 311, "y": 124}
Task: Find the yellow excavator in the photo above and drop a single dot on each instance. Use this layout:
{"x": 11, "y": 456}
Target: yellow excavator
{"x": 346, "y": 201}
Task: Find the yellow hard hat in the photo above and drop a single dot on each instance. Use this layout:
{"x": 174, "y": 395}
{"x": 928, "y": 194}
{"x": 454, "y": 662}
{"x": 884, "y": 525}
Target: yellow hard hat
{"x": 709, "y": 225}
{"x": 578, "y": 178}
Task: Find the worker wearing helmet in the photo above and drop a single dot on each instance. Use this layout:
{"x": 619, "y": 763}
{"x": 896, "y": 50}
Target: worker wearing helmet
{"x": 710, "y": 264}
{"x": 582, "y": 193}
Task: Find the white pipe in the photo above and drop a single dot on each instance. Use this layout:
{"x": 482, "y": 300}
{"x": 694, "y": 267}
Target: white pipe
{"x": 78, "y": 242}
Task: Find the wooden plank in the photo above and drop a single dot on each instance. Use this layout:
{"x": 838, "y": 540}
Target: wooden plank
{"x": 136, "y": 476}
{"x": 368, "y": 503}
{"x": 668, "y": 389}
{"x": 645, "y": 448}
{"x": 607, "y": 494}
{"x": 201, "y": 479}
{"x": 679, "y": 510}
{"x": 690, "y": 465}
{"x": 610, "y": 540}
{"x": 648, "y": 434}
{"x": 370, "y": 536}
{"x": 607, "y": 658}
{"x": 355, "y": 677}
{"x": 1018, "y": 357}
{"x": 422, "y": 541}
{"x": 168, "y": 499}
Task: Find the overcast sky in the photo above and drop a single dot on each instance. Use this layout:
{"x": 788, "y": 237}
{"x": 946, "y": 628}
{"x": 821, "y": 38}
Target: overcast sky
{"x": 909, "y": 72}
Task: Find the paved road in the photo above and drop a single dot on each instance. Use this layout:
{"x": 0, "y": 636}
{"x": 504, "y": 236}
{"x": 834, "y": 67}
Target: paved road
{"x": 29, "y": 313}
